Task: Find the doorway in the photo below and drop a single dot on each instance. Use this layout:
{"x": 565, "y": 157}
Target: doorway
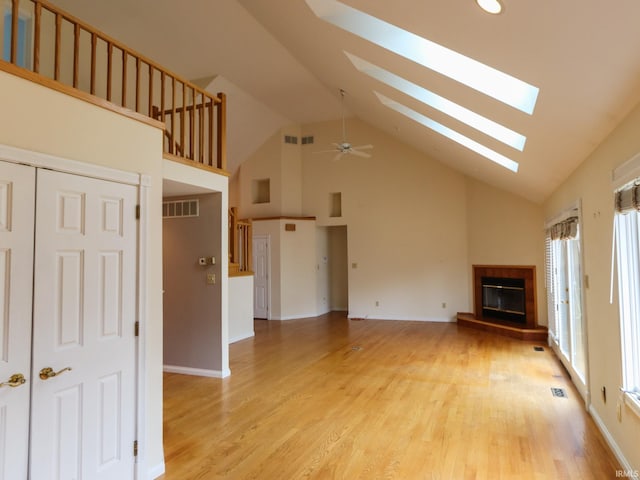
{"x": 566, "y": 293}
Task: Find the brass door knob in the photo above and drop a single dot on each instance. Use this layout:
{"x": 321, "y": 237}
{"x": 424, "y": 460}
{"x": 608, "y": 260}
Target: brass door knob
{"x": 14, "y": 381}
{"x": 47, "y": 372}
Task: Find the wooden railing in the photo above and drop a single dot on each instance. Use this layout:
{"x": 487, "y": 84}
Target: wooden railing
{"x": 71, "y": 52}
{"x": 240, "y": 246}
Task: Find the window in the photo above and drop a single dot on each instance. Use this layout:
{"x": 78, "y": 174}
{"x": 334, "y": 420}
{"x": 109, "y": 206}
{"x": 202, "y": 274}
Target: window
{"x": 23, "y": 54}
{"x": 627, "y": 234}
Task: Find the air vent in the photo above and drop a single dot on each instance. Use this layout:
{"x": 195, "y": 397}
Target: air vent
{"x": 291, "y": 139}
{"x": 181, "y": 208}
{"x": 539, "y": 349}
{"x": 558, "y": 392}
{"x": 307, "y": 140}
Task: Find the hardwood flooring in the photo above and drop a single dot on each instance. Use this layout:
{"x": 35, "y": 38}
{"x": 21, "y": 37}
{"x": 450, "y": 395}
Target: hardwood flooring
{"x": 331, "y": 398}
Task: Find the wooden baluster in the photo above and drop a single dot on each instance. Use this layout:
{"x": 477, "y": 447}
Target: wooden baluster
{"x": 56, "y": 67}
{"x": 137, "y": 84}
{"x": 15, "y": 13}
{"x": 109, "y": 68}
{"x": 182, "y": 120}
{"x": 125, "y": 58}
{"x": 162, "y": 94}
{"x": 173, "y": 114}
{"x": 192, "y": 125}
{"x": 250, "y": 247}
{"x": 233, "y": 218}
{"x": 76, "y": 53}
{"x": 151, "y": 90}
{"x": 210, "y": 133}
{"x": 94, "y": 46}
{"x": 201, "y": 128}
{"x": 222, "y": 132}
{"x": 37, "y": 19}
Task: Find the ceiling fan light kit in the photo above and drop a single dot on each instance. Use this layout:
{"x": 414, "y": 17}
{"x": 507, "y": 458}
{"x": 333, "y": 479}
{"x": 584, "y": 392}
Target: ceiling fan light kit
{"x": 490, "y": 6}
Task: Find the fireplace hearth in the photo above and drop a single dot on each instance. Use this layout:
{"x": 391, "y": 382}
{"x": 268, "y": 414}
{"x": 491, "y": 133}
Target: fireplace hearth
{"x": 504, "y": 300}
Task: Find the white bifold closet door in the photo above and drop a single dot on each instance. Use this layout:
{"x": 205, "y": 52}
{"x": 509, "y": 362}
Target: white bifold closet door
{"x": 82, "y": 345}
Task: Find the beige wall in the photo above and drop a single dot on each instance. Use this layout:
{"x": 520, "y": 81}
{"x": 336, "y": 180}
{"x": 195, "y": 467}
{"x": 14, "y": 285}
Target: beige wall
{"x": 36, "y": 118}
{"x": 591, "y": 183}
{"x": 406, "y": 217}
{"x": 504, "y": 229}
{"x": 192, "y": 323}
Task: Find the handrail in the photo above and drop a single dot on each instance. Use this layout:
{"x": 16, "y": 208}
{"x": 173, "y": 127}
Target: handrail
{"x": 73, "y": 53}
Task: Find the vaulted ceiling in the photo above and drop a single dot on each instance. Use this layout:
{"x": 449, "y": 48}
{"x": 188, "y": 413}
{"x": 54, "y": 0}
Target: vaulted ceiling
{"x": 582, "y": 55}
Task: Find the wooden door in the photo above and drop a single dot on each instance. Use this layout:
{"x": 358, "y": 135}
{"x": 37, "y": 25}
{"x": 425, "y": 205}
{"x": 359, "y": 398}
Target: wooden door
{"x": 83, "y": 410}
{"x": 17, "y": 183}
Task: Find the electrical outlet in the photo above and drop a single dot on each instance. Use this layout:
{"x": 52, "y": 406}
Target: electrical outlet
{"x": 444, "y": 304}
{"x": 377, "y": 303}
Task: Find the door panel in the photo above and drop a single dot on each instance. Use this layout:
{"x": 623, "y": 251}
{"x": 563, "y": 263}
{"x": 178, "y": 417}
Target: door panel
{"x": 83, "y": 418}
{"x": 17, "y": 193}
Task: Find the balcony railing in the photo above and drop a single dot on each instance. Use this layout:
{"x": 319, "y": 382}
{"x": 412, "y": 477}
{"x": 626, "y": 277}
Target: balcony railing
{"x": 240, "y": 246}
{"x": 42, "y": 38}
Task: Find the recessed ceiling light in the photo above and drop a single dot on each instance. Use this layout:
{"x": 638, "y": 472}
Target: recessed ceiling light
{"x": 490, "y": 6}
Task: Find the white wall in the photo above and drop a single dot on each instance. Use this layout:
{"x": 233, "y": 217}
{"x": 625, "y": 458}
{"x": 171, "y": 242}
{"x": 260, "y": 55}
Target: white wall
{"x": 407, "y": 220}
{"x": 240, "y": 308}
{"x": 39, "y": 119}
{"x": 591, "y": 183}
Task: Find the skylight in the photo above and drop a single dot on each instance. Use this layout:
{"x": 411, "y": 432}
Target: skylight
{"x": 470, "y": 72}
{"x": 483, "y": 124}
{"x": 449, "y": 133}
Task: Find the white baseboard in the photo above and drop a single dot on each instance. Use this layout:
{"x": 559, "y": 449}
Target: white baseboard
{"x": 401, "y": 318}
{"x": 609, "y": 439}
{"x": 199, "y": 372}
{"x": 156, "y": 471}
{"x": 242, "y": 337}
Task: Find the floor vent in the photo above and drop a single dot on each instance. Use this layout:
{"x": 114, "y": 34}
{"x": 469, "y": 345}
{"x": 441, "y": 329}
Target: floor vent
{"x": 538, "y": 349}
{"x": 356, "y": 348}
{"x": 181, "y": 208}
{"x": 558, "y": 392}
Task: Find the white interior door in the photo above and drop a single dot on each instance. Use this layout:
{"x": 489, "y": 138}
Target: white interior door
{"x": 16, "y": 269}
{"x": 83, "y": 413}
{"x": 261, "y": 276}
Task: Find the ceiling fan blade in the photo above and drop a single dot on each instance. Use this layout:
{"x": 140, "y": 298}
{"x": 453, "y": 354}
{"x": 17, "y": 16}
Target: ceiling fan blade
{"x": 363, "y": 147}
{"x": 333, "y": 150}
{"x": 359, "y": 154}
{"x": 338, "y": 157}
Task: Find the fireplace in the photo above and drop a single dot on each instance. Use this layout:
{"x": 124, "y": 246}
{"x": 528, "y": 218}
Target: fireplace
{"x": 505, "y": 294}
{"x": 504, "y": 298}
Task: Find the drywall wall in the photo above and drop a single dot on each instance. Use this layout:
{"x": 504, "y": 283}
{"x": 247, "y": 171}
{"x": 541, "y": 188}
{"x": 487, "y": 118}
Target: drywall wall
{"x": 504, "y": 229}
{"x": 406, "y": 217}
{"x": 240, "y": 308}
{"x": 192, "y": 323}
{"x": 39, "y": 119}
{"x": 591, "y": 184}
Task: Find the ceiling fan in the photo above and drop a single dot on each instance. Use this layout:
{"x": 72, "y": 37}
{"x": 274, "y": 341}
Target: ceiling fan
{"x": 344, "y": 147}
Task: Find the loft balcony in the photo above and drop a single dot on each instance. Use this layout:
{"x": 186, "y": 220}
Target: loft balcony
{"x": 44, "y": 44}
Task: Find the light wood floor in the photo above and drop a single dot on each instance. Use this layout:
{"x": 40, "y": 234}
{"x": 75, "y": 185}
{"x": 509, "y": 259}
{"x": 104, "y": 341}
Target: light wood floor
{"x": 331, "y": 398}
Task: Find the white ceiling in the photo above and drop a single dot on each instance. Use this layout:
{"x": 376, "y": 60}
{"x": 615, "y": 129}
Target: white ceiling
{"x": 584, "y": 55}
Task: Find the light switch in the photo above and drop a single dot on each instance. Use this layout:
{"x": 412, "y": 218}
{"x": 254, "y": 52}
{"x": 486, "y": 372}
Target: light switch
{"x": 211, "y": 278}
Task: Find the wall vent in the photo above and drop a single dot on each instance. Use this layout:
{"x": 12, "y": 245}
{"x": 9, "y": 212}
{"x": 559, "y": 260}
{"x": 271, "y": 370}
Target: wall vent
{"x": 291, "y": 139}
{"x": 307, "y": 140}
{"x": 181, "y": 208}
